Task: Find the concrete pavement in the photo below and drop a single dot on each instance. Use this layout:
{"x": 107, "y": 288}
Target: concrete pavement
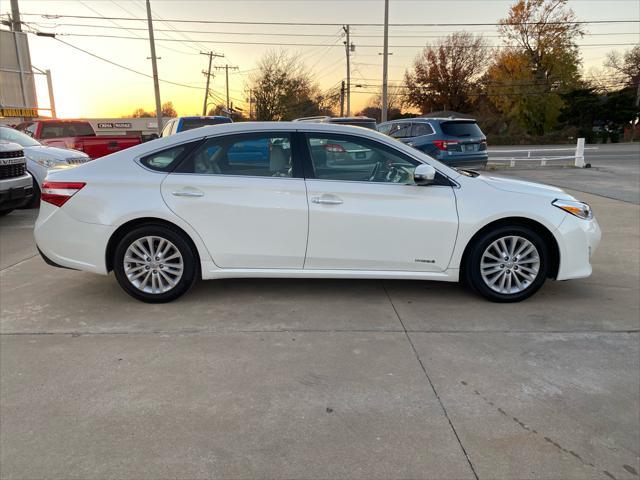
{"x": 320, "y": 379}
{"x": 614, "y": 172}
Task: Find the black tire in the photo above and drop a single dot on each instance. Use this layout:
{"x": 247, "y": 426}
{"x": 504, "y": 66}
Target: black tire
{"x": 190, "y": 269}
{"x": 472, "y": 268}
{"x": 6, "y": 211}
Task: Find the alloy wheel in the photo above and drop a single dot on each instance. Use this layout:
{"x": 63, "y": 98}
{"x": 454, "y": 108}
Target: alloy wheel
{"x": 153, "y": 264}
{"x": 510, "y": 264}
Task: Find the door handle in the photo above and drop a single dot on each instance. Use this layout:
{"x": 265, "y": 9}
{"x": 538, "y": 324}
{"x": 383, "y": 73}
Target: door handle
{"x": 188, "y": 193}
{"x": 326, "y": 200}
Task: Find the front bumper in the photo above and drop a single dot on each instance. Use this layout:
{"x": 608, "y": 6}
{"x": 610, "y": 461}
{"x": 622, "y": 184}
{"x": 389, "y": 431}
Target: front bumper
{"x": 577, "y": 242}
{"x": 15, "y": 192}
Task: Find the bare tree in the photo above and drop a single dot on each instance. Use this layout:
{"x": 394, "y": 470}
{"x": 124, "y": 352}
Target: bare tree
{"x": 445, "y": 75}
{"x": 283, "y": 89}
{"x": 627, "y": 65}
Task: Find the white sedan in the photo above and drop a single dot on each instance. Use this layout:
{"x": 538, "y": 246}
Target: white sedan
{"x": 42, "y": 159}
{"x": 306, "y": 201}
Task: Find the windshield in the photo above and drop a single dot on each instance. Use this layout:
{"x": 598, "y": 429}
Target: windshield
{"x": 371, "y": 124}
{"x": 461, "y": 129}
{"x": 15, "y": 136}
{"x": 191, "y": 123}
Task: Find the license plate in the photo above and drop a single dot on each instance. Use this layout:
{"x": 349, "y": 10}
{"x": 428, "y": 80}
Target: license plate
{"x": 473, "y": 147}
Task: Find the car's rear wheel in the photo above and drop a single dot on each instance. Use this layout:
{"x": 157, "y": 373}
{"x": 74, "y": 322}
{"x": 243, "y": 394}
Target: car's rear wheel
{"x": 508, "y": 264}
{"x": 155, "y": 264}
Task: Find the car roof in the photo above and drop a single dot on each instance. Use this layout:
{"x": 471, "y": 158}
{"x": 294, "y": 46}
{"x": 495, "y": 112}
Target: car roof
{"x": 203, "y": 117}
{"x": 429, "y": 119}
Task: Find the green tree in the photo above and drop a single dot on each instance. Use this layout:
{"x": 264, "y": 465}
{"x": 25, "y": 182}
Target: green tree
{"x": 527, "y": 79}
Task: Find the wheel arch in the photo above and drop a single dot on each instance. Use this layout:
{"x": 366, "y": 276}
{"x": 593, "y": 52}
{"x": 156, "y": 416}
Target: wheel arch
{"x": 126, "y": 227}
{"x": 539, "y": 228}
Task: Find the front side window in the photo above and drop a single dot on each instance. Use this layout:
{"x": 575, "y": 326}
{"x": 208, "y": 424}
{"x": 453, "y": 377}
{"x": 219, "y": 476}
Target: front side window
{"x": 384, "y": 128}
{"x": 354, "y": 159}
{"x": 261, "y": 155}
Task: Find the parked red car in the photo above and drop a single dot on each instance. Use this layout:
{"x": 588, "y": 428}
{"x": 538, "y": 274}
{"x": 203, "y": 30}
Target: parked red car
{"x": 78, "y": 135}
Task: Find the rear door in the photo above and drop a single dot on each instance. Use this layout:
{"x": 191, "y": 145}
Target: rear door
{"x": 249, "y": 207}
{"x": 375, "y": 217}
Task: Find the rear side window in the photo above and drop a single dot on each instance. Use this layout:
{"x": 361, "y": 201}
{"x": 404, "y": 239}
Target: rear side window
{"x": 419, "y": 129}
{"x": 461, "y": 129}
{"x": 166, "y": 160}
{"x": 255, "y": 155}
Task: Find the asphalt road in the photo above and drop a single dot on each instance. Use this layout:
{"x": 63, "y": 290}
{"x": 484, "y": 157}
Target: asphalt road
{"x": 322, "y": 379}
{"x": 615, "y": 171}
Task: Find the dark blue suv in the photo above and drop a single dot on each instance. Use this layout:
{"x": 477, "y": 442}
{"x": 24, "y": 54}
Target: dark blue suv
{"x": 457, "y": 142}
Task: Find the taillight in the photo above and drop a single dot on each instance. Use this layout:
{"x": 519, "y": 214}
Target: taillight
{"x": 334, "y": 148}
{"x": 444, "y": 144}
{"x": 58, "y": 193}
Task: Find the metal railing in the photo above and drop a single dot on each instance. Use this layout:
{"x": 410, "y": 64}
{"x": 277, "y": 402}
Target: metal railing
{"x": 576, "y": 159}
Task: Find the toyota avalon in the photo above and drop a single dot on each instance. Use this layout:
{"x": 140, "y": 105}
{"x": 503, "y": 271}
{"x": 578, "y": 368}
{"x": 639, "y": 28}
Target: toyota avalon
{"x": 306, "y": 200}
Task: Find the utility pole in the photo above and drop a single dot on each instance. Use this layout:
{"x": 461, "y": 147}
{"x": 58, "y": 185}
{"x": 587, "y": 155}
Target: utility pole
{"x": 154, "y": 66}
{"x": 342, "y": 99}
{"x": 250, "y": 104}
{"x": 226, "y": 72}
{"x": 348, "y": 48}
{"x": 52, "y": 101}
{"x": 208, "y": 74}
{"x": 16, "y": 24}
{"x": 385, "y": 61}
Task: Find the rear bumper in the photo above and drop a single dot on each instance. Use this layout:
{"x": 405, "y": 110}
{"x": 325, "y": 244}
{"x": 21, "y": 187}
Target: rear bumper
{"x": 15, "y": 192}
{"x": 64, "y": 241}
{"x": 477, "y": 160}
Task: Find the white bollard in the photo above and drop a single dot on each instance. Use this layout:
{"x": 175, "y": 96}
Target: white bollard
{"x": 579, "y": 162}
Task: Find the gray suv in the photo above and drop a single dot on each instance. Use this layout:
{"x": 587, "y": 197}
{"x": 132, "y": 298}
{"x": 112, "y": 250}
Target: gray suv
{"x": 16, "y": 185}
{"x": 457, "y": 142}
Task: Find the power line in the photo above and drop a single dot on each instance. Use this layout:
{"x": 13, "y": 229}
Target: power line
{"x": 236, "y": 22}
{"x": 124, "y": 67}
{"x": 124, "y": 37}
{"x": 272, "y": 34}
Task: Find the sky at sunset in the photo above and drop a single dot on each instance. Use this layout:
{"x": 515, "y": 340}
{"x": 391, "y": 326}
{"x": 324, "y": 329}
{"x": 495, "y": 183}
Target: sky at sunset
{"x": 88, "y": 87}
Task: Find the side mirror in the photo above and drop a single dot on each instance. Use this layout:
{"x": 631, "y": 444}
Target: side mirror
{"x": 424, "y": 174}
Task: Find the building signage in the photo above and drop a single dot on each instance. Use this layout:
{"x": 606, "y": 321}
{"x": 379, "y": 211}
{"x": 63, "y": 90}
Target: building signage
{"x": 115, "y": 125}
{"x": 18, "y": 112}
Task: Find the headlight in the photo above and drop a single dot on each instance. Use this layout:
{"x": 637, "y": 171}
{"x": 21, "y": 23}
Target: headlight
{"x": 579, "y": 209}
{"x": 46, "y": 162}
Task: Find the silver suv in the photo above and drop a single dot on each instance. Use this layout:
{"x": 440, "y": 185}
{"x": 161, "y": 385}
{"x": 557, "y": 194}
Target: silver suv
{"x": 16, "y": 185}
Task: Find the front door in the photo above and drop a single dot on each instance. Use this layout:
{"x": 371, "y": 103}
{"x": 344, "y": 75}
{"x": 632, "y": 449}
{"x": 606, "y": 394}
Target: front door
{"x": 366, "y": 213}
{"x": 243, "y": 195}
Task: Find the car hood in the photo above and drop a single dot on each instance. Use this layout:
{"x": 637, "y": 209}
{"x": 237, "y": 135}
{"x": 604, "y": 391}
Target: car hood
{"x": 52, "y": 153}
{"x": 523, "y": 186}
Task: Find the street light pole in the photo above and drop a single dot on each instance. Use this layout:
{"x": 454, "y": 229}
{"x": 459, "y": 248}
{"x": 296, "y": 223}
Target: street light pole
{"x": 385, "y": 61}
{"x": 154, "y": 66}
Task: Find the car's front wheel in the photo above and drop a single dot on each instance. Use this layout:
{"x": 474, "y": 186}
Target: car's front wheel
{"x": 155, "y": 264}
{"x": 507, "y": 264}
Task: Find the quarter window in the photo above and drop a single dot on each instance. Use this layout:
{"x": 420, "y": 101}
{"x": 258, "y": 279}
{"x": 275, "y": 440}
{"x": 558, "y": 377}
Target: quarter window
{"x": 262, "y": 155}
{"x": 354, "y": 159}
{"x": 165, "y": 160}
